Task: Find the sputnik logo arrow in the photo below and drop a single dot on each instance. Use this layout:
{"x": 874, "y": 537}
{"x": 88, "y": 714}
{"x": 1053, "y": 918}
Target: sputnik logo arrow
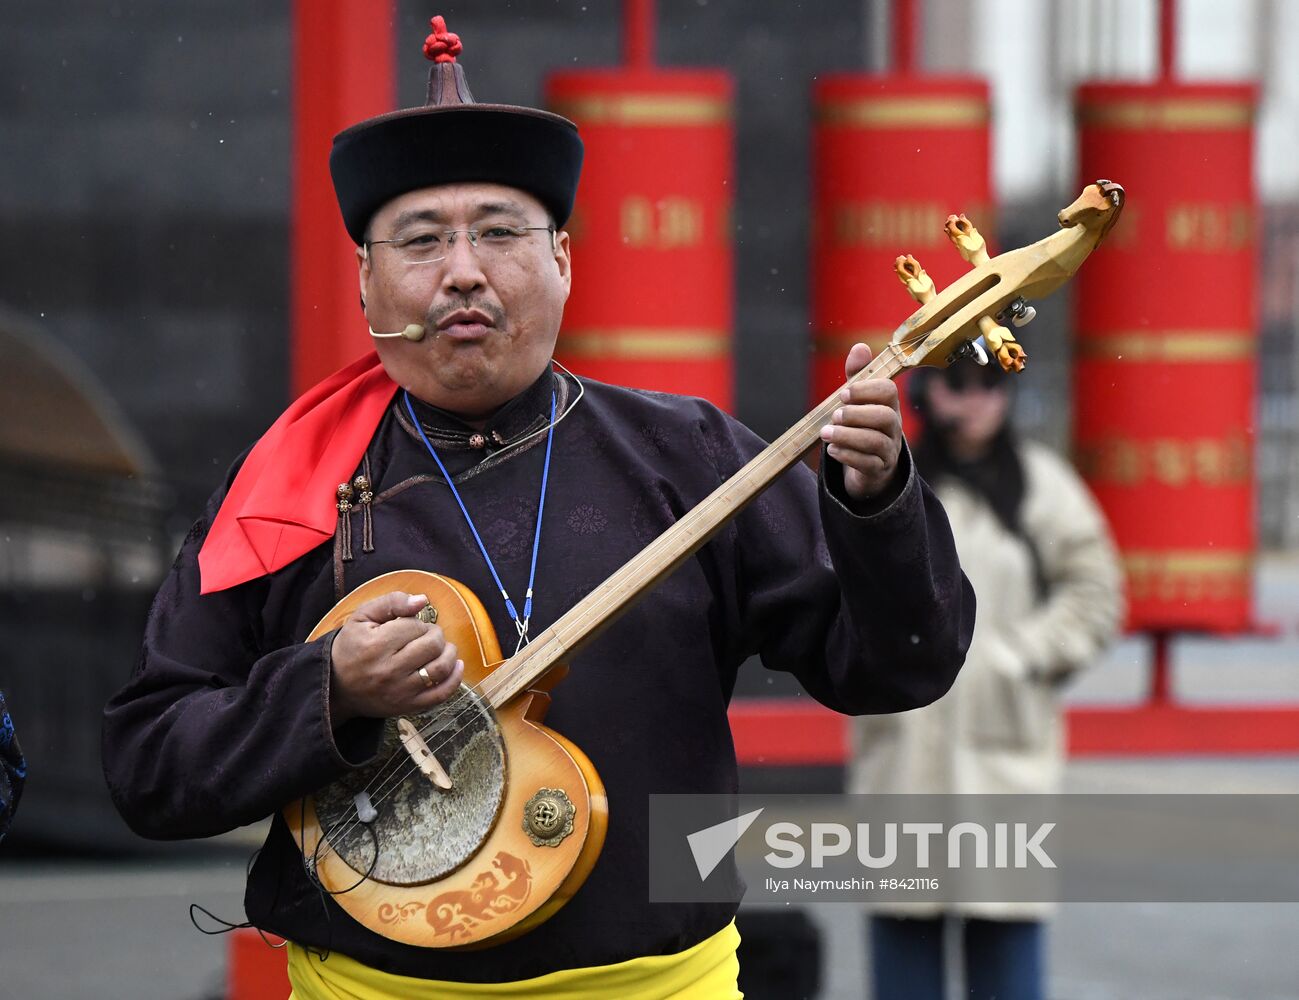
{"x": 712, "y": 843}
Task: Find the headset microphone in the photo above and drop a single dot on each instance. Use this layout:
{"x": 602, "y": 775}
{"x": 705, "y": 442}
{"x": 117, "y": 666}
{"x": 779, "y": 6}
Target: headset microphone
{"x": 413, "y": 332}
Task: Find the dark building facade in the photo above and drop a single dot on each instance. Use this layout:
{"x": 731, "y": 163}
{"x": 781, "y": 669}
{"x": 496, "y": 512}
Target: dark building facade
{"x": 145, "y": 186}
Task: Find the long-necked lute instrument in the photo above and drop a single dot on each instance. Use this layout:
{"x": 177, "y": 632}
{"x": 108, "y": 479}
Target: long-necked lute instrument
{"x": 478, "y": 822}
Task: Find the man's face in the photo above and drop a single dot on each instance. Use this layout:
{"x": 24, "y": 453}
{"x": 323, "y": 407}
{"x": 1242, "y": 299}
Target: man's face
{"x": 491, "y": 313}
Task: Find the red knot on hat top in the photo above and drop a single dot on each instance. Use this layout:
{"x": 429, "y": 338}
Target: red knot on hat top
{"x": 442, "y": 45}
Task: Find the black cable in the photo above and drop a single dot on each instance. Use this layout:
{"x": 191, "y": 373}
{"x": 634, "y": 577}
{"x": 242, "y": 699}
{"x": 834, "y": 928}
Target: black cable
{"x": 227, "y": 926}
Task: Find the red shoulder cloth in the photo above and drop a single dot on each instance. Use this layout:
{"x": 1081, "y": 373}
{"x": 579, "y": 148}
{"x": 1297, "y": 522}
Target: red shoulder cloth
{"x": 282, "y": 502}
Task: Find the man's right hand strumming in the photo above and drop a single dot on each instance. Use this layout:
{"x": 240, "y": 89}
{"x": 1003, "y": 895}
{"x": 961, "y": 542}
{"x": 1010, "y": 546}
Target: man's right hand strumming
{"x": 386, "y": 662}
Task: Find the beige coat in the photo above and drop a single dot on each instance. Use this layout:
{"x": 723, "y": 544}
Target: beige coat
{"x": 1000, "y": 728}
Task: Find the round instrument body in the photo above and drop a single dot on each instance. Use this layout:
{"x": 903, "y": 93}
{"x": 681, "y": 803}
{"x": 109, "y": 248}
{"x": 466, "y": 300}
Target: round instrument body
{"x": 458, "y": 867}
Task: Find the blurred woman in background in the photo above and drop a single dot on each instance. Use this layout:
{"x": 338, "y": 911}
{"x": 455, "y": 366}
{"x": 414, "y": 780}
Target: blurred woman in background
{"x": 1039, "y": 555}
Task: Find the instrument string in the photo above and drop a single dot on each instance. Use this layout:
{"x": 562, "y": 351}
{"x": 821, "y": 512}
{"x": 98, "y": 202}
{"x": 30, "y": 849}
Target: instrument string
{"x": 890, "y": 363}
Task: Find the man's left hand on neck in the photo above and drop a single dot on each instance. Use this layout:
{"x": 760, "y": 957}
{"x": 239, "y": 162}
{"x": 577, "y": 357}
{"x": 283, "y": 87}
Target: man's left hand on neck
{"x": 865, "y": 433}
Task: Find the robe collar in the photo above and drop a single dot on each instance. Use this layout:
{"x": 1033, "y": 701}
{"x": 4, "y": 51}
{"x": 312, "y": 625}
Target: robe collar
{"x": 525, "y": 414}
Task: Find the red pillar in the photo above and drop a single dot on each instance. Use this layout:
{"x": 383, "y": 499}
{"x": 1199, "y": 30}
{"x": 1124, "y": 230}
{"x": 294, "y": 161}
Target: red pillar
{"x": 343, "y": 60}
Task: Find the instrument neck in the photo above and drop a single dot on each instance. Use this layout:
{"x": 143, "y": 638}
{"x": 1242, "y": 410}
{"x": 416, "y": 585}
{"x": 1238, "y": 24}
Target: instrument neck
{"x": 566, "y": 637}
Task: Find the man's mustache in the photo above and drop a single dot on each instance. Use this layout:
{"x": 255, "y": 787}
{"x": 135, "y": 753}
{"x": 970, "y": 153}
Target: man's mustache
{"x": 489, "y": 309}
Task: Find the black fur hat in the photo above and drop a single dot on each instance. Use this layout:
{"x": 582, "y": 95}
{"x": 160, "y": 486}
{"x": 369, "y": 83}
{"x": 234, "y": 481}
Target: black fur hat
{"x": 453, "y": 139}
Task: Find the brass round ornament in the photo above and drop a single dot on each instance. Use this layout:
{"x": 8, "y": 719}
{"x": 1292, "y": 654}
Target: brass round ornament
{"x": 548, "y": 817}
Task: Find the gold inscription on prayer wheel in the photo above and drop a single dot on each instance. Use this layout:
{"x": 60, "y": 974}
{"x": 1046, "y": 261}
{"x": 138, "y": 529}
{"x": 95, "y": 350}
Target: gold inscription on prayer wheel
{"x": 1207, "y": 227}
{"x": 879, "y": 223}
{"x": 1167, "y": 461}
{"x": 664, "y": 224}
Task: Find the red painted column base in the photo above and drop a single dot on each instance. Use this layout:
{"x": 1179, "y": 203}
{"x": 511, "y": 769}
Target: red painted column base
{"x": 1174, "y": 730}
{"x": 785, "y": 732}
{"x": 254, "y": 970}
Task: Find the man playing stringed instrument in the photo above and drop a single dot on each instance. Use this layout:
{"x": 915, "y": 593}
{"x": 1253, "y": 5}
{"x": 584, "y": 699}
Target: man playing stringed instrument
{"x": 457, "y": 444}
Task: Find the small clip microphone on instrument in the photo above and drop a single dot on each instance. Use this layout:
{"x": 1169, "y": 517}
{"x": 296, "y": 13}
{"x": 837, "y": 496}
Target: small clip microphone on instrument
{"x": 413, "y": 332}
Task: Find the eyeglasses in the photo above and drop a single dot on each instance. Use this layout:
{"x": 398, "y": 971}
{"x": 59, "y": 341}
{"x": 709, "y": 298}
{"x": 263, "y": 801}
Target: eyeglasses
{"x": 491, "y": 242}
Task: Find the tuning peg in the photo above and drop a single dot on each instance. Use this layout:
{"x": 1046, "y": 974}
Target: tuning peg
{"x": 968, "y": 241}
{"x": 972, "y": 350}
{"x": 1019, "y": 314}
{"x": 1010, "y": 355}
{"x": 914, "y": 277}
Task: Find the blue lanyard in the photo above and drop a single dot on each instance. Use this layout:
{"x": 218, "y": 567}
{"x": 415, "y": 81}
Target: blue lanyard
{"x": 520, "y": 625}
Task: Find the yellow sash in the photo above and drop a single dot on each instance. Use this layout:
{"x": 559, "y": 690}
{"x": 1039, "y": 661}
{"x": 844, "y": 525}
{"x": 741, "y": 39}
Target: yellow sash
{"x": 708, "y": 971}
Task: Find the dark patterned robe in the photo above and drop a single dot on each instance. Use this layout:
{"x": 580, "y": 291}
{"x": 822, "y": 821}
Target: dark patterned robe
{"x": 226, "y": 720}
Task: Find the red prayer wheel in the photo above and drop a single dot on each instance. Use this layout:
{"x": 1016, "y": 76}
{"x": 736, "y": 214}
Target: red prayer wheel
{"x": 892, "y": 158}
{"x": 652, "y": 301}
{"x": 1164, "y": 375}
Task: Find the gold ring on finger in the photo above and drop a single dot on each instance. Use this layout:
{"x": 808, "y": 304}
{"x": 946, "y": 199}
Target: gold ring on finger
{"x": 423, "y": 672}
